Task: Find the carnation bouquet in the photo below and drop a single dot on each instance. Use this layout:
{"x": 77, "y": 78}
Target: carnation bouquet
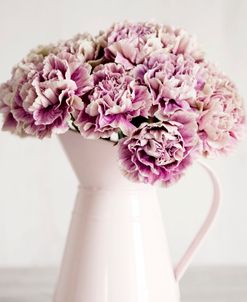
{"x": 145, "y": 87}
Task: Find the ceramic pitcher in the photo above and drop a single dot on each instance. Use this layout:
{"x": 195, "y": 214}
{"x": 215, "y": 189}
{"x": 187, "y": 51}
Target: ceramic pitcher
{"x": 116, "y": 248}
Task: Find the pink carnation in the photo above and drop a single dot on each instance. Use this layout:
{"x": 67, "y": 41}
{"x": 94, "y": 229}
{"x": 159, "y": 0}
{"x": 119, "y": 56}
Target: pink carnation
{"x": 115, "y": 100}
{"x": 45, "y": 97}
{"x": 127, "y": 30}
{"x": 128, "y": 44}
{"x": 36, "y": 56}
{"x": 222, "y": 119}
{"x": 9, "y": 92}
{"x": 160, "y": 152}
{"x": 174, "y": 81}
{"x": 179, "y": 41}
{"x": 84, "y": 46}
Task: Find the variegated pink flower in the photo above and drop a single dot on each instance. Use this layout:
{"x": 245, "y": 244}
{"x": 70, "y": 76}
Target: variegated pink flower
{"x": 128, "y": 30}
{"x": 222, "y": 118}
{"x": 84, "y": 46}
{"x": 45, "y": 97}
{"x": 179, "y": 41}
{"x": 174, "y": 81}
{"x": 160, "y": 152}
{"x": 129, "y": 43}
{"x": 10, "y": 101}
{"x": 115, "y": 100}
{"x": 36, "y": 56}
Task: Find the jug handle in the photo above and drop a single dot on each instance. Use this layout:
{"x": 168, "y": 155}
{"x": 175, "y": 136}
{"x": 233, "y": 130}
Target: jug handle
{"x": 193, "y": 247}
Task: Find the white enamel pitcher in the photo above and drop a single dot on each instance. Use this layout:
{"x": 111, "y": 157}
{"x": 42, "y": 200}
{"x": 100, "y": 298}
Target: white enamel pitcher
{"x": 116, "y": 249}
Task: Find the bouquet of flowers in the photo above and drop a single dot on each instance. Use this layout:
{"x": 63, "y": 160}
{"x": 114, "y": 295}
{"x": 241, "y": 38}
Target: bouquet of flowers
{"x": 146, "y": 87}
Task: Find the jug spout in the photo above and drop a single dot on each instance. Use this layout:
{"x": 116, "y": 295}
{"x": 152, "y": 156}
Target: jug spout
{"x": 95, "y": 162}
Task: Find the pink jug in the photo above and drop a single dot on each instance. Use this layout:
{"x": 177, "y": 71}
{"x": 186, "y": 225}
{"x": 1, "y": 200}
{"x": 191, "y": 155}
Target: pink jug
{"x": 116, "y": 249}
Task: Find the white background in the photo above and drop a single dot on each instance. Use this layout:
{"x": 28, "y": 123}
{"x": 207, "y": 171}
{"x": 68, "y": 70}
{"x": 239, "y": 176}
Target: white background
{"x": 37, "y": 186}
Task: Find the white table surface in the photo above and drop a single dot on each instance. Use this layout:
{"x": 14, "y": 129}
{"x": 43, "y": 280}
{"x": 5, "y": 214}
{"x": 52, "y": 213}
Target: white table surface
{"x": 212, "y": 284}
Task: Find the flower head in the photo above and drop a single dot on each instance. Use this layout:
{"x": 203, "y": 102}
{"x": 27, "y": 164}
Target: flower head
{"x": 37, "y": 55}
{"x": 114, "y": 101}
{"x": 222, "y": 117}
{"x": 127, "y": 30}
{"x": 84, "y": 46}
{"x": 44, "y": 97}
{"x": 160, "y": 152}
{"x": 174, "y": 81}
{"x": 179, "y": 41}
{"x": 129, "y": 43}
